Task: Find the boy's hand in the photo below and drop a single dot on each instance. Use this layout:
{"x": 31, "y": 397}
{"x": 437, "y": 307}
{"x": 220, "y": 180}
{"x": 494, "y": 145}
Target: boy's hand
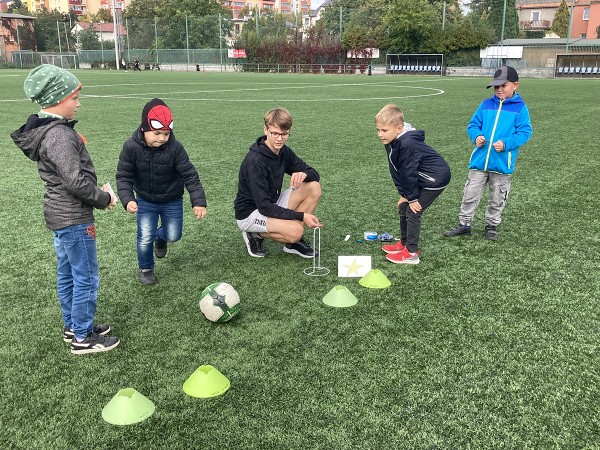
{"x": 297, "y": 179}
{"x": 415, "y": 206}
{"x": 132, "y": 207}
{"x": 200, "y": 212}
{"x": 498, "y": 146}
{"x": 113, "y": 198}
{"x": 311, "y": 221}
{"x": 402, "y": 200}
{"x": 479, "y": 141}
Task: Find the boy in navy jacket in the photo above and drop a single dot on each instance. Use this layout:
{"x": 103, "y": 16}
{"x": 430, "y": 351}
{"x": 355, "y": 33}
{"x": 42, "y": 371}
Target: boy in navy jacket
{"x": 420, "y": 175}
{"x": 498, "y": 128}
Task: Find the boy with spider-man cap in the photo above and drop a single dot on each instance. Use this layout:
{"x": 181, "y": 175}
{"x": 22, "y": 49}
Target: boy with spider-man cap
{"x": 152, "y": 172}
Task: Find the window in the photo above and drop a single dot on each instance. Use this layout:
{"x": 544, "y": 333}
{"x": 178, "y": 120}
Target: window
{"x": 583, "y": 36}
{"x": 586, "y": 13}
{"x": 535, "y": 16}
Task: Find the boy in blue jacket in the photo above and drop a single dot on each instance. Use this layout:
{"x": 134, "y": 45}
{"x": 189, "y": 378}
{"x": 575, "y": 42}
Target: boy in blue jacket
{"x": 420, "y": 175}
{"x": 498, "y": 128}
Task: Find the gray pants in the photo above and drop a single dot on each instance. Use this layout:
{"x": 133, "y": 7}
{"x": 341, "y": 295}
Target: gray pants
{"x": 499, "y": 185}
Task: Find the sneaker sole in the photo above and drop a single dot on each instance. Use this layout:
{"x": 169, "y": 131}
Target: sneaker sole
{"x": 405, "y": 261}
{"x": 104, "y": 333}
{"x": 291, "y": 251}
{"x": 248, "y": 247}
{"x": 98, "y": 349}
{"x": 392, "y": 252}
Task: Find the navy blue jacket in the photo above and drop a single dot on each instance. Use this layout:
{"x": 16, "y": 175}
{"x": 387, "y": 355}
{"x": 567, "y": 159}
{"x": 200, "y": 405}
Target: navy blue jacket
{"x": 261, "y": 177}
{"x": 414, "y": 165}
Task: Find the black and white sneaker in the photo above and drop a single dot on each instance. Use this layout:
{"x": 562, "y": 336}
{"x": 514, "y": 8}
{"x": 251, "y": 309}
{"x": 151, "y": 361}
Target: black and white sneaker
{"x": 94, "y": 343}
{"x": 254, "y": 244}
{"x": 160, "y": 248}
{"x": 102, "y": 329}
{"x": 301, "y": 248}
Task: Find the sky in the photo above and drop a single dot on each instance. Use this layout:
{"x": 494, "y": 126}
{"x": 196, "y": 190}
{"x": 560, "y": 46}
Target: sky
{"x": 316, "y": 3}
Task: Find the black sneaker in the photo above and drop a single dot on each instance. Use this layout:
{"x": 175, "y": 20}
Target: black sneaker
{"x": 491, "y": 233}
{"x": 102, "y": 329}
{"x": 94, "y": 343}
{"x": 147, "y": 276}
{"x": 459, "y": 230}
{"x": 160, "y": 248}
{"x": 254, "y": 244}
{"x": 301, "y": 248}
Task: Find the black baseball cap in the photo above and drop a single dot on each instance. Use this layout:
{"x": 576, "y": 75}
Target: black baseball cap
{"x": 504, "y": 74}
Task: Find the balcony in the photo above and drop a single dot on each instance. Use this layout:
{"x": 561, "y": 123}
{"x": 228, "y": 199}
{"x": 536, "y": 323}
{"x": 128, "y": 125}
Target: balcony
{"x": 535, "y": 24}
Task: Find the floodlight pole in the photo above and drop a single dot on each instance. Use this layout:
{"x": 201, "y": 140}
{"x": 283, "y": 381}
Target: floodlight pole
{"x": 220, "y": 43}
{"x": 502, "y": 32}
{"x": 187, "y": 42}
{"x": 570, "y": 26}
{"x": 115, "y": 35}
{"x": 156, "y": 38}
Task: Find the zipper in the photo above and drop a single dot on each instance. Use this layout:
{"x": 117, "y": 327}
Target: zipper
{"x": 487, "y": 157}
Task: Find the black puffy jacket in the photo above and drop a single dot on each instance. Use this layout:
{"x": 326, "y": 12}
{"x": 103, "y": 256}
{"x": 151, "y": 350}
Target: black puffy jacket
{"x": 157, "y": 175}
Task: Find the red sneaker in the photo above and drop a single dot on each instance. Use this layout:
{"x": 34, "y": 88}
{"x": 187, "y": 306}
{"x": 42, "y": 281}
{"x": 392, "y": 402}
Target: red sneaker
{"x": 404, "y": 257}
{"x": 393, "y": 248}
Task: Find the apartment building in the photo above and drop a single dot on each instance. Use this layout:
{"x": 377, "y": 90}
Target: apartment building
{"x": 539, "y": 15}
{"x": 281, "y": 6}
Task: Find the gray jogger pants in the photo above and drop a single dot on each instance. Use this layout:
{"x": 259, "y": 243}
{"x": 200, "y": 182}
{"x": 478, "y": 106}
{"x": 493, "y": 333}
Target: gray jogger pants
{"x": 499, "y": 185}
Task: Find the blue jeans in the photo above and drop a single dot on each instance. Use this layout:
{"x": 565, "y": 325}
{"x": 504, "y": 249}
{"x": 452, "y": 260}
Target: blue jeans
{"x": 171, "y": 220}
{"x": 78, "y": 278}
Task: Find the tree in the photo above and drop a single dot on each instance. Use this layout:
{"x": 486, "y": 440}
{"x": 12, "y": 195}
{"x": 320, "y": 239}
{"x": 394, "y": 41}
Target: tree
{"x": 560, "y": 24}
{"x": 17, "y": 7}
{"x": 330, "y": 16}
{"x": 49, "y": 25}
{"x": 88, "y": 39}
{"x": 408, "y": 25}
{"x": 511, "y": 19}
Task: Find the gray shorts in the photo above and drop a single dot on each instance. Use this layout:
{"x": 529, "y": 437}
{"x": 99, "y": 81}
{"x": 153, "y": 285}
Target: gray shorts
{"x": 256, "y": 222}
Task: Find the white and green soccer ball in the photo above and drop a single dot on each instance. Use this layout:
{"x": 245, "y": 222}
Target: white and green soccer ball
{"x": 219, "y": 302}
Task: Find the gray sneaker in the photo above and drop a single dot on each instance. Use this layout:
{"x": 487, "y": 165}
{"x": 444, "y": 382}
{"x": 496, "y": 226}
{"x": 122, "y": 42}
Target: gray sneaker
{"x": 459, "y": 230}
{"x": 147, "y": 276}
{"x": 160, "y": 248}
{"x": 491, "y": 233}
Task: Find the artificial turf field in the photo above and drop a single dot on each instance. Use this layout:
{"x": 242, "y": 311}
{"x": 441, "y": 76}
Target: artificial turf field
{"x": 482, "y": 345}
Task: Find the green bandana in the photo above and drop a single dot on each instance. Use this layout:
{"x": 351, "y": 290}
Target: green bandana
{"x": 48, "y": 85}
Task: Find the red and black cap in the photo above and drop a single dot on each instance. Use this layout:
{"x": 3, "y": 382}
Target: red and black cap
{"x": 156, "y": 115}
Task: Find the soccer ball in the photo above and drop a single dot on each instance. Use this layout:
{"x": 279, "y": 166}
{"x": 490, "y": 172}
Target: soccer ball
{"x": 219, "y": 302}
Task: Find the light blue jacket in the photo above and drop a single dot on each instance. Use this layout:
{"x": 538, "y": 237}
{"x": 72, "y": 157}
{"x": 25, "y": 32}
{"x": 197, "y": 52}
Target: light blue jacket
{"x": 499, "y": 120}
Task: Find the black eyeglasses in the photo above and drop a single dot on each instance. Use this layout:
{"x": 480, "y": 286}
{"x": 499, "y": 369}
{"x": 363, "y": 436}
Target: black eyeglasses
{"x": 276, "y": 135}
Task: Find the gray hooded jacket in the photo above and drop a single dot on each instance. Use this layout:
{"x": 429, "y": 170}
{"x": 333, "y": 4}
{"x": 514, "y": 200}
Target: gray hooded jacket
{"x": 65, "y": 167}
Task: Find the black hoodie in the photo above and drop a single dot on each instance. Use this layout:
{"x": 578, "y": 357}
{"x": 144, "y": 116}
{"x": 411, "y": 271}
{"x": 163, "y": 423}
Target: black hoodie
{"x": 261, "y": 177}
{"x": 66, "y": 169}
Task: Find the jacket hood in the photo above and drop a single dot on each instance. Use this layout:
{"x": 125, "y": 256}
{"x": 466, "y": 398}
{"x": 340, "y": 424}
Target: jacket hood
{"x": 412, "y": 133}
{"x": 260, "y": 147}
{"x": 30, "y": 135}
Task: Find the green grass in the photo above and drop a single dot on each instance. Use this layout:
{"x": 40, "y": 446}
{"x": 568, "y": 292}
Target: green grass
{"x": 482, "y": 345}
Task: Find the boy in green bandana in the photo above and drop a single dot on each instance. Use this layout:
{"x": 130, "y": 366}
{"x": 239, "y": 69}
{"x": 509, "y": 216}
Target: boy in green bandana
{"x": 65, "y": 166}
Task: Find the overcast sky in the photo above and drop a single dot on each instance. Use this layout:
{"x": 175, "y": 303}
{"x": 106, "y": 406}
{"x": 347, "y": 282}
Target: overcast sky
{"x": 316, "y": 3}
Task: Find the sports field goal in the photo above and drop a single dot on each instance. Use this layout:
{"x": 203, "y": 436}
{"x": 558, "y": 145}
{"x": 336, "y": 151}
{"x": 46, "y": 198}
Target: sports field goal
{"x": 66, "y": 61}
{"x": 414, "y": 64}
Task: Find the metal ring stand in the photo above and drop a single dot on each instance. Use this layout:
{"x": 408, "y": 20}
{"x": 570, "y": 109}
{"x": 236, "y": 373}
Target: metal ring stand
{"x": 316, "y": 270}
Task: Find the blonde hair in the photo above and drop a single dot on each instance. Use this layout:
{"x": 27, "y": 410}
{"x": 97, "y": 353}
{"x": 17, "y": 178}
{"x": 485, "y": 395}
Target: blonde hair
{"x": 390, "y": 114}
{"x": 279, "y": 117}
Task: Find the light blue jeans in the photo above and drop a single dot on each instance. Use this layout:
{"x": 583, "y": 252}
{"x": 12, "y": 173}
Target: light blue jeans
{"x": 78, "y": 278}
{"x": 171, "y": 229}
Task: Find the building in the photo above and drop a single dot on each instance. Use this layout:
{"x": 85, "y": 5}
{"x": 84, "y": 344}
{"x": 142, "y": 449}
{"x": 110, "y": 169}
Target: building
{"x": 311, "y": 18}
{"x": 106, "y": 30}
{"x": 16, "y": 34}
{"x": 280, "y": 6}
{"x": 538, "y": 15}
